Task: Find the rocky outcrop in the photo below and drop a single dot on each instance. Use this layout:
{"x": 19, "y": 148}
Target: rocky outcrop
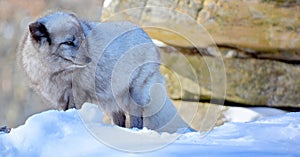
{"x": 250, "y": 49}
{"x": 247, "y": 81}
{"x": 263, "y": 29}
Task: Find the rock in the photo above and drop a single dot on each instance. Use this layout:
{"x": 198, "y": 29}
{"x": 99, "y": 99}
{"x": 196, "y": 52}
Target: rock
{"x": 241, "y": 29}
{"x": 264, "y": 29}
{"x": 118, "y": 7}
{"x": 247, "y": 81}
{"x": 261, "y": 28}
{"x": 201, "y": 116}
{"x": 162, "y": 19}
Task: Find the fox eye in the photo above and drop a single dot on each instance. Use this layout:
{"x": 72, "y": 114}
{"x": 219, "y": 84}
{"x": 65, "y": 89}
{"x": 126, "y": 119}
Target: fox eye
{"x": 69, "y": 43}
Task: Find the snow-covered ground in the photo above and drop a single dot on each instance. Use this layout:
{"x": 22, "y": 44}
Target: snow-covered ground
{"x": 242, "y": 114}
{"x": 82, "y": 133}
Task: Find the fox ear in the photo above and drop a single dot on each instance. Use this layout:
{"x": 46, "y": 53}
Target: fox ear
{"x": 39, "y": 33}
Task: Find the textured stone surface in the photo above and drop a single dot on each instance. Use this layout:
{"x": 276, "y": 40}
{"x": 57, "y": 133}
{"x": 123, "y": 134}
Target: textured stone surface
{"x": 242, "y": 29}
{"x": 268, "y": 28}
{"x": 248, "y": 81}
{"x": 201, "y": 116}
{"x": 264, "y": 29}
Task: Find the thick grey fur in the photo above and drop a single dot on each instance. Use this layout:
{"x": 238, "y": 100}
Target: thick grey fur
{"x": 70, "y": 61}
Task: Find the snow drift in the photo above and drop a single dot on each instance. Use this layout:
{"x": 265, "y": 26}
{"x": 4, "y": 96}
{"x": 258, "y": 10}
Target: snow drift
{"x": 82, "y": 133}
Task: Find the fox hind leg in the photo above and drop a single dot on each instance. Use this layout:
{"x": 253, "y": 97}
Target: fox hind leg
{"x": 119, "y": 118}
{"x": 136, "y": 122}
{"x": 136, "y": 118}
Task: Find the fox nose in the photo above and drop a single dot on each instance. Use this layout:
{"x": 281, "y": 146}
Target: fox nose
{"x": 88, "y": 60}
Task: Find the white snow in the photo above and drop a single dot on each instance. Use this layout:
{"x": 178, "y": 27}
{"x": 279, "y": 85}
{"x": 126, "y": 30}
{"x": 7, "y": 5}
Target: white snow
{"x": 82, "y": 133}
{"x": 242, "y": 114}
{"x": 159, "y": 43}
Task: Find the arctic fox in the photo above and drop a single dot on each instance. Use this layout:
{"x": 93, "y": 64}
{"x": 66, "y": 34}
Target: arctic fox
{"x": 113, "y": 64}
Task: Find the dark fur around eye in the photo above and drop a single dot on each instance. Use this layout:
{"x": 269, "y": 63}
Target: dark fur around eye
{"x": 69, "y": 43}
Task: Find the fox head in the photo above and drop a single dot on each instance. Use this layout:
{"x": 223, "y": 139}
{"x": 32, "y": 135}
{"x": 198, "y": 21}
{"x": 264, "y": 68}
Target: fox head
{"x": 60, "y": 42}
